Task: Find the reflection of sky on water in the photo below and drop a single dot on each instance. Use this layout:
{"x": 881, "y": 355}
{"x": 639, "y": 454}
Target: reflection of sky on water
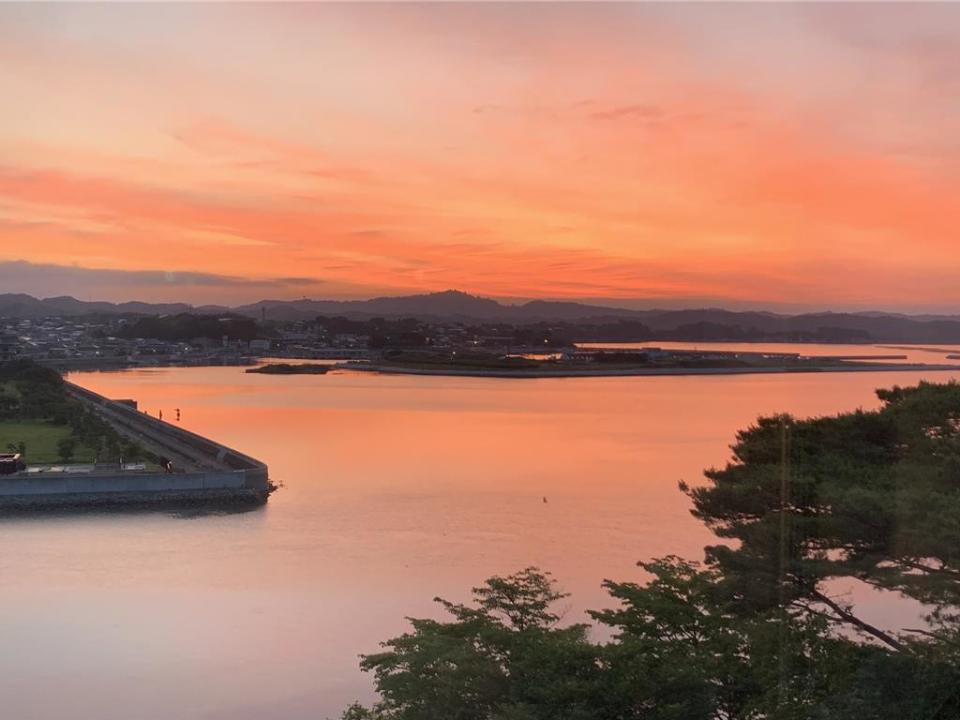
{"x": 396, "y": 489}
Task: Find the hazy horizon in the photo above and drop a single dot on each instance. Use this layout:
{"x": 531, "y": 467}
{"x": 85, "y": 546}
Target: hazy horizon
{"x": 638, "y": 304}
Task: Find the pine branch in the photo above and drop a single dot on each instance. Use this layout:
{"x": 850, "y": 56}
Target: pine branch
{"x": 852, "y": 619}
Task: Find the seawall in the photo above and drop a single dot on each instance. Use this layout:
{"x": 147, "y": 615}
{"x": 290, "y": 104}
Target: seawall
{"x": 194, "y": 449}
{"x": 207, "y": 471}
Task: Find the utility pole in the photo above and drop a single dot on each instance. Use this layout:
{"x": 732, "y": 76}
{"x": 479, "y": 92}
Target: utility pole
{"x": 784, "y": 560}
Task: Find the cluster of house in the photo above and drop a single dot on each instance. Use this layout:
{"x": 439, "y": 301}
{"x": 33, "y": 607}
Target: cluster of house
{"x": 298, "y": 341}
{"x": 82, "y": 342}
{"x": 79, "y": 342}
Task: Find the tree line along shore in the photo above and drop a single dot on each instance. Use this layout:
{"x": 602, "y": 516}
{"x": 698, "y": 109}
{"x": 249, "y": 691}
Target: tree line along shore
{"x": 41, "y": 422}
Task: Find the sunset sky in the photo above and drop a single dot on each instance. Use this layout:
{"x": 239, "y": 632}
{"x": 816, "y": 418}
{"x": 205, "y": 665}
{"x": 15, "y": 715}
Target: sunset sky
{"x": 776, "y": 155}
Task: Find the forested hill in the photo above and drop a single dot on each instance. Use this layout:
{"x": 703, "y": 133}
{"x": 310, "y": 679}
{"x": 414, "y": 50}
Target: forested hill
{"x": 453, "y": 306}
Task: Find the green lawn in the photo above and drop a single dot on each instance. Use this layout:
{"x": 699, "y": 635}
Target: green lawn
{"x": 41, "y": 439}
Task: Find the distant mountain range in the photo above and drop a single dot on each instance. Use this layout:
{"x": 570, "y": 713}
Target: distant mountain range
{"x": 20, "y": 305}
{"x": 704, "y": 324}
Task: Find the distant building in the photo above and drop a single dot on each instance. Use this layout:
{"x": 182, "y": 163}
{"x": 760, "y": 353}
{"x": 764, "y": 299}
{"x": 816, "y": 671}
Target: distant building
{"x": 580, "y": 356}
{"x": 8, "y": 347}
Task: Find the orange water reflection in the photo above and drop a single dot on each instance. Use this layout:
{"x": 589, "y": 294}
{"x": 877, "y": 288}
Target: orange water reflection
{"x": 395, "y": 489}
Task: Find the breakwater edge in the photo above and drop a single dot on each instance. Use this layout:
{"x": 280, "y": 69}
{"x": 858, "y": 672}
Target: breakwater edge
{"x": 200, "y": 473}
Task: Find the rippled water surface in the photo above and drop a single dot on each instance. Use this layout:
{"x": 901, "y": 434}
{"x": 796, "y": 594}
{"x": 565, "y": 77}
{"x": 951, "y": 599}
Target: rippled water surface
{"x": 395, "y": 489}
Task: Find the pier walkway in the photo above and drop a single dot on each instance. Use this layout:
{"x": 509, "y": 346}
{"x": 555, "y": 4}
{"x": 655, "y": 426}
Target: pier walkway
{"x": 183, "y": 456}
{"x": 187, "y": 451}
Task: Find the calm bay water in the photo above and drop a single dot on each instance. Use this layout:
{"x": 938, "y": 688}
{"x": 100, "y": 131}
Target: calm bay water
{"x": 396, "y": 489}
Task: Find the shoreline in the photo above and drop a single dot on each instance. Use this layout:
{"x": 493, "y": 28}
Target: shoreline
{"x": 209, "y": 501}
{"x": 208, "y": 473}
{"x": 644, "y": 372}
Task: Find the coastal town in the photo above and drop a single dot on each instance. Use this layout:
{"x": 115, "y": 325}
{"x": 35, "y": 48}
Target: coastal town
{"x": 77, "y": 343}
{"x": 96, "y": 341}
{"x": 408, "y": 345}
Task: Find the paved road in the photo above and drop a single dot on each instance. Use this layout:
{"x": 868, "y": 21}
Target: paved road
{"x": 183, "y": 456}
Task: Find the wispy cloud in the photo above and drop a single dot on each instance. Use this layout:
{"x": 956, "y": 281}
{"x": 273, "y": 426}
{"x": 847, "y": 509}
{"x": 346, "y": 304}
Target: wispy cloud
{"x": 222, "y": 139}
{"x": 109, "y": 283}
{"x": 637, "y": 111}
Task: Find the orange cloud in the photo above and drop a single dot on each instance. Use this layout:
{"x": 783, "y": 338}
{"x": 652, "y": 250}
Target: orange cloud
{"x": 617, "y": 151}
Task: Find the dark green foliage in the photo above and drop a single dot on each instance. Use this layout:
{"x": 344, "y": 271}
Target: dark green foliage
{"x": 678, "y": 651}
{"x": 869, "y": 495}
{"x": 32, "y": 391}
{"x": 39, "y": 394}
{"x": 186, "y": 326}
{"x": 290, "y": 369}
{"x": 28, "y": 371}
{"x": 502, "y": 658}
{"x": 681, "y": 650}
{"x": 65, "y": 449}
{"x": 19, "y": 447}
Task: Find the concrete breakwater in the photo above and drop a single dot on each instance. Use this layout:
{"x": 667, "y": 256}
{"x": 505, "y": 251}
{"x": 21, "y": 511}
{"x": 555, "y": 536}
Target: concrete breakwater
{"x": 205, "y": 472}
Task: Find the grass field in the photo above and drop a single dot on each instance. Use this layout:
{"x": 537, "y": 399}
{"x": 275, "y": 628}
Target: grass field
{"x": 41, "y": 439}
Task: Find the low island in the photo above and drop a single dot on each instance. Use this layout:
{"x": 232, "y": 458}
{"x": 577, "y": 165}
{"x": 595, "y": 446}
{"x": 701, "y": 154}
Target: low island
{"x": 597, "y": 362}
{"x": 290, "y": 369}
